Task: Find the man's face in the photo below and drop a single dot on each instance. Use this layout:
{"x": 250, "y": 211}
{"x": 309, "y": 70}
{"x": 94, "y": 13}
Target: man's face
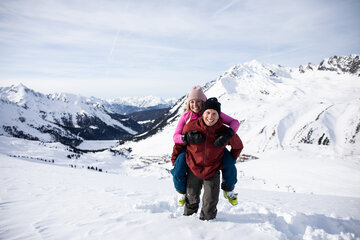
{"x": 210, "y": 117}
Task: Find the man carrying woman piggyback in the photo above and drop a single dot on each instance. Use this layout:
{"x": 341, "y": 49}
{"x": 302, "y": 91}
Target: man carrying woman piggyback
{"x": 201, "y": 132}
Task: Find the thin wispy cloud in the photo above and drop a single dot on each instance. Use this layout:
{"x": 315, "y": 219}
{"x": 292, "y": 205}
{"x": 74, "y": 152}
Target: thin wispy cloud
{"x": 116, "y": 47}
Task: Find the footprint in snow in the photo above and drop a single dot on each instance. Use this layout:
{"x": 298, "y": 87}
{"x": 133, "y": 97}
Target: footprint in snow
{"x": 158, "y": 207}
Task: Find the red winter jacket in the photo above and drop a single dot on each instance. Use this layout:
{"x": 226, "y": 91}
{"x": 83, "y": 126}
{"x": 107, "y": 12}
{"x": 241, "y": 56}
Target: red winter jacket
{"x": 204, "y": 159}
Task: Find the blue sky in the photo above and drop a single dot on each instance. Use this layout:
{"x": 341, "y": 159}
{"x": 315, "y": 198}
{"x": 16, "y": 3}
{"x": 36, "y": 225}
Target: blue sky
{"x": 135, "y": 48}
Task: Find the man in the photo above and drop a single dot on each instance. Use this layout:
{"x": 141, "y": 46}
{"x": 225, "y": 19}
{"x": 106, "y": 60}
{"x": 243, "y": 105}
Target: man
{"x": 204, "y": 159}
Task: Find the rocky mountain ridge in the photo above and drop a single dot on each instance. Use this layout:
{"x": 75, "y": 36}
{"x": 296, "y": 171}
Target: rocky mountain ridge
{"x": 340, "y": 64}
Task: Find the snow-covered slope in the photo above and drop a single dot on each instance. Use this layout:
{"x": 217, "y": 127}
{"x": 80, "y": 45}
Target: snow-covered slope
{"x": 58, "y": 117}
{"x": 284, "y": 108}
{"x": 69, "y": 118}
{"x": 46, "y": 195}
{"x": 281, "y": 107}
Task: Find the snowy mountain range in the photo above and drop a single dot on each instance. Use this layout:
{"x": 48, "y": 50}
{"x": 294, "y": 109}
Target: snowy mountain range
{"x": 302, "y": 125}
{"x": 281, "y": 107}
{"x": 68, "y": 118}
{"x": 278, "y": 107}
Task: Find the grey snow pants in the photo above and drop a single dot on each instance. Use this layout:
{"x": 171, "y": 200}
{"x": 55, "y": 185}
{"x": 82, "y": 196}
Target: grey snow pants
{"x": 210, "y": 197}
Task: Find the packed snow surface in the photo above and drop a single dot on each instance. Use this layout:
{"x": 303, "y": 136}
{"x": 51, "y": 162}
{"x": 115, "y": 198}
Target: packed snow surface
{"x": 282, "y": 195}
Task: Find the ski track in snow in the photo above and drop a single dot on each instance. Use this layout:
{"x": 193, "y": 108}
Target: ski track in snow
{"x": 47, "y": 201}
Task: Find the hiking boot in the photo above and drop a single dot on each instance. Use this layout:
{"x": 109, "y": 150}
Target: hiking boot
{"x": 231, "y": 196}
{"x": 181, "y": 199}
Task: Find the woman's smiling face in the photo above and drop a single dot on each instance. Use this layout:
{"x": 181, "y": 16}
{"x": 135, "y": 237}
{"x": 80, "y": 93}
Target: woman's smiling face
{"x": 195, "y": 105}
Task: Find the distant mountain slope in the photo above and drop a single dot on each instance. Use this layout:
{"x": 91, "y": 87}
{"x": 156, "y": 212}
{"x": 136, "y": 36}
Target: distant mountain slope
{"x": 281, "y": 107}
{"x": 62, "y": 117}
{"x": 128, "y": 105}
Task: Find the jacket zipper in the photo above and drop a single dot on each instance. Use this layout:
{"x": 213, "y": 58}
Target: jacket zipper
{"x": 206, "y": 141}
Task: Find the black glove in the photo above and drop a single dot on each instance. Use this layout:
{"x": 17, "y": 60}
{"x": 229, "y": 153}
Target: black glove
{"x": 223, "y": 137}
{"x": 193, "y": 137}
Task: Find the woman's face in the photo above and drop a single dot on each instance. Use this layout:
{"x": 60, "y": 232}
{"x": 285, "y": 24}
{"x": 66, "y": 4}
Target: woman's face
{"x": 195, "y": 105}
{"x": 210, "y": 117}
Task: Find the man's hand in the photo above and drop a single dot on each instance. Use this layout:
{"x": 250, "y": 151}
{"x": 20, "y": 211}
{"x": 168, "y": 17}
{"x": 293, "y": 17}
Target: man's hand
{"x": 193, "y": 137}
{"x": 223, "y": 137}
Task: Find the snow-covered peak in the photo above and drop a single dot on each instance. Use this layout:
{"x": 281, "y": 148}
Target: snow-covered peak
{"x": 76, "y": 100}
{"x": 67, "y": 97}
{"x": 57, "y": 102}
{"x": 258, "y": 68}
{"x": 142, "y": 102}
{"x": 251, "y": 66}
{"x": 308, "y": 67}
{"x": 247, "y": 67}
{"x": 251, "y": 80}
{"x": 18, "y": 94}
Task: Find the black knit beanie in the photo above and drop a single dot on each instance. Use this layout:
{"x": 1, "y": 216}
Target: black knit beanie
{"x": 212, "y": 103}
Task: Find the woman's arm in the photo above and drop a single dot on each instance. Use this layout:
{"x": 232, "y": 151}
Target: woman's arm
{"x": 231, "y": 122}
{"x": 178, "y": 130}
